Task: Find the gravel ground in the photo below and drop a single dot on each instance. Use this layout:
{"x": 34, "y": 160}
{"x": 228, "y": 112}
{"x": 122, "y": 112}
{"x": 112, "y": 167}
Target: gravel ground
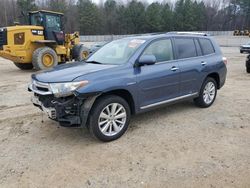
{"x": 175, "y": 146}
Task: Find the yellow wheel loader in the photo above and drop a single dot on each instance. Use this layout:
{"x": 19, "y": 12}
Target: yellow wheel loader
{"x": 42, "y": 44}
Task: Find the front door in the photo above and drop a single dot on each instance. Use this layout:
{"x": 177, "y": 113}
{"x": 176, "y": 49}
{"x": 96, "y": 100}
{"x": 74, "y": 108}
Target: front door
{"x": 158, "y": 82}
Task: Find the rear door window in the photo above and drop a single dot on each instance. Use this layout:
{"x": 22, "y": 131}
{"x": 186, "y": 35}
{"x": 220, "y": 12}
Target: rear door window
{"x": 206, "y": 46}
{"x": 161, "y": 49}
{"x": 198, "y": 47}
{"x": 185, "y": 48}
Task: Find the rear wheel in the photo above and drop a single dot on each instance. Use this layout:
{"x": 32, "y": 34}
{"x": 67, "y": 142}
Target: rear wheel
{"x": 109, "y": 118}
{"x": 80, "y": 52}
{"x": 44, "y": 58}
{"x": 248, "y": 69}
{"x": 24, "y": 66}
{"x": 207, "y": 94}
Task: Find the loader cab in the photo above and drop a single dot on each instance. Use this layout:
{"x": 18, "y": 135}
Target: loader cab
{"x": 52, "y": 23}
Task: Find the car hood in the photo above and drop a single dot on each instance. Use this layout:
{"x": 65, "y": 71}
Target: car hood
{"x": 68, "y": 72}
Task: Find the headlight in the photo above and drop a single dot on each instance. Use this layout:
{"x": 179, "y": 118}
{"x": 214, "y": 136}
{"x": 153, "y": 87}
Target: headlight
{"x": 66, "y": 89}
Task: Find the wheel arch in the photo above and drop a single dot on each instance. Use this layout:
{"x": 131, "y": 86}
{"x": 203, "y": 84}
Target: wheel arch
{"x": 216, "y": 77}
{"x": 123, "y": 93}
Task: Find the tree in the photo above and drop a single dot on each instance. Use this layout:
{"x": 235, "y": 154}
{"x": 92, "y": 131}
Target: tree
{"x": 135, "y": 17}
{"x": 166, "y": 18}
{"x": 58, "y": 5}
{"x": 24, "y": 6}
{"x": 154, "y": 18}
{"x": 111, "y": 17}
{"x": 88, "y": 17}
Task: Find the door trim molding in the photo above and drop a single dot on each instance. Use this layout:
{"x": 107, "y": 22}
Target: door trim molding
{"x": 168, "y": 101}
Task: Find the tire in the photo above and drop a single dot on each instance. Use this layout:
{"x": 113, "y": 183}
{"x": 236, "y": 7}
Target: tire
{"x": 201, "y": 100}
{"x": 44, "y": 58}
{"x": 80, "y": 53}
{"x": 24, "y": 66}
{"x": 248, "y": 69}
{"x": 241, "y": 52}
{"x": 95, "y": 119}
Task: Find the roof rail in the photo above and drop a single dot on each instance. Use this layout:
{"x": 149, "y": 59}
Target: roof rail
{"x": 188, "y": 33}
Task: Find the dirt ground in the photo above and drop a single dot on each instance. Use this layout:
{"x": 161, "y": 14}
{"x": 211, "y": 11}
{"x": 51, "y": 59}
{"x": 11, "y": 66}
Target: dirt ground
{"x": 175, "y": 146}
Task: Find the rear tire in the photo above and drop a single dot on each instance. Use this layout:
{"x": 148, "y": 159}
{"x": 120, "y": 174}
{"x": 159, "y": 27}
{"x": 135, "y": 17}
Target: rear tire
{"x": 80, "y": 52}
{"x": 24, "y": 66}
{"x": 207, "y": 94}
{"x": 248, "y": 69}
{"x": 109, "y": 118}
{"x": 44, "y": 58}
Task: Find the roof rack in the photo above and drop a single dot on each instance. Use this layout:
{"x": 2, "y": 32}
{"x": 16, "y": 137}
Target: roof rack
{"x": 188, "y": 33}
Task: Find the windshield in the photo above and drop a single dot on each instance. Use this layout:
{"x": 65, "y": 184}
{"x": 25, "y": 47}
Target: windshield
{"x": 116, "y": 52}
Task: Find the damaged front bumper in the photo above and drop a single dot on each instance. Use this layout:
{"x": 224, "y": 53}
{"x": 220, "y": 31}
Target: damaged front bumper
{"x": 71, "y": 111}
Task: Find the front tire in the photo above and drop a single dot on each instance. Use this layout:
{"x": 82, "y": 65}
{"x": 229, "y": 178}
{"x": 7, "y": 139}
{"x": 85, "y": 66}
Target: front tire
{"x": 207, "y": 94}
{"x": 44, "y": 58}
{"x": 24, "y": 66}
{"x": 109, "y": 118}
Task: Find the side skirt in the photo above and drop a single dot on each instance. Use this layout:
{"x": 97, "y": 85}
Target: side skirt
{"x": 169, "y": 101}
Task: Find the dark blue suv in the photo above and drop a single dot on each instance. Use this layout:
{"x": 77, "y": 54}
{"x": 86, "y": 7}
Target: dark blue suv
{"x": 130, "y": 76}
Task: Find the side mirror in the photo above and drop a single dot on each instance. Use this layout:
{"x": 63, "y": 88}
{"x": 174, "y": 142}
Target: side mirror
{"x": 147, "y": 60}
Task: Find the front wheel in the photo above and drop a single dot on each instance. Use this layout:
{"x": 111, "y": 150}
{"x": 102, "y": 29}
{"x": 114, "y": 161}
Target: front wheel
{"x": 109, "y": 118}
{"x": 44, "y": 58}
{"x": 207, "y": 94}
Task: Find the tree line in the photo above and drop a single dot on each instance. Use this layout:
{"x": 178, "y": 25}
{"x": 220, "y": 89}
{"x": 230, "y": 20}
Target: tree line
{"x": 133, "y": 16}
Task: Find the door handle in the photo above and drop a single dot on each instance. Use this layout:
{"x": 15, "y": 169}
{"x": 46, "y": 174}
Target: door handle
{"x": 174, "y": 68}
{"x": 203, "y": 63}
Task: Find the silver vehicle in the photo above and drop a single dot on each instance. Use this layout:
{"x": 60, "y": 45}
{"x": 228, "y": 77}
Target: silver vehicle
{"x": 245, "y": 48}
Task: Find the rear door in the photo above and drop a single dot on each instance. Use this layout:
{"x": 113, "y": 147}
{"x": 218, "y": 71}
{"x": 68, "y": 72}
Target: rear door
{"x": 189, "y": 56}
{"x": 158, "y": 82}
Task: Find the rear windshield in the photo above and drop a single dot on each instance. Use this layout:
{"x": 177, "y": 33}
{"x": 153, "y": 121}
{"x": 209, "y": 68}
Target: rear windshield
{"x": 206, "y": 46}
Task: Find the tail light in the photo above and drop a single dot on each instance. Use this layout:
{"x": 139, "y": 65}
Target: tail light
{"x": 224, "y": 60}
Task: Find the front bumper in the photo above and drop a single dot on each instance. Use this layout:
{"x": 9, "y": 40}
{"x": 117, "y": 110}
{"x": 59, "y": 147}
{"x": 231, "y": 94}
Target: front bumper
{"x": 67, "y": 111}
{"x": 71, "y": 111}
{"x": 247, "y": 50}
{"x": 50, "y": 112}
{"x": 248, "y": 62}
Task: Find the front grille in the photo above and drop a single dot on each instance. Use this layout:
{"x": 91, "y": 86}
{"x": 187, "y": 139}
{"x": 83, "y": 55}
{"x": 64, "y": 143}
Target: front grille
{"x": 40, "y": 88}
{"x": 3, "y": 37}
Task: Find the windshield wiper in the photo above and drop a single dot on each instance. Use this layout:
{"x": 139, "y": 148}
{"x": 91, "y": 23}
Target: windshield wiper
{"x": 93, "y": 62}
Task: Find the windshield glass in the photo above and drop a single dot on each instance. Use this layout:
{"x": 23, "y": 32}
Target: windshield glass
{"x": 116, "y": 52}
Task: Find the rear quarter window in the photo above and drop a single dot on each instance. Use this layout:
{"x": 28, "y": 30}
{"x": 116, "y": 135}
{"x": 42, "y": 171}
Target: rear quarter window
{"x": 185, "y": 48}
{"x": 207, "y": 46}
